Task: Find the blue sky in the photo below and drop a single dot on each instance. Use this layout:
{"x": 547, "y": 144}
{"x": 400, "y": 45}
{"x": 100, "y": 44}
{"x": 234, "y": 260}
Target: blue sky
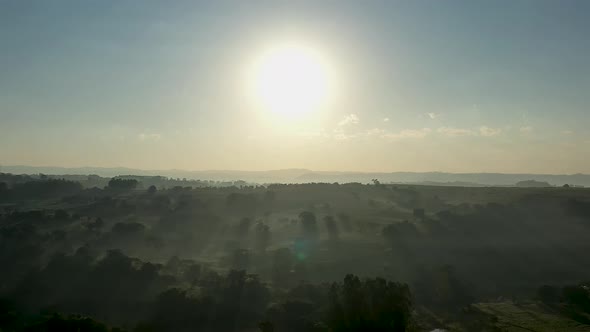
{"x": 461, "y": 86}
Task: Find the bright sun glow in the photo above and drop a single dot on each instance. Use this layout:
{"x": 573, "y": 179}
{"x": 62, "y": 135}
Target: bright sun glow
{"x": 291, "y": 80}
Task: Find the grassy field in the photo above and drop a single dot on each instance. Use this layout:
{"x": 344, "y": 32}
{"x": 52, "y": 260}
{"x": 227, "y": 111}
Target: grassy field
{"x": 511, "y": 317}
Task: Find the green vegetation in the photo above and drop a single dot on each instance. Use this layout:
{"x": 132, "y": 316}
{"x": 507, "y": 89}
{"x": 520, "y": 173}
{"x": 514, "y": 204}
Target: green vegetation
{"x": 508, "y": 316}
{"x": 299, "y": 257}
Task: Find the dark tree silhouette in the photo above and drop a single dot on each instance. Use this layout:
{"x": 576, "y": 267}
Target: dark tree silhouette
{"x": 263, "y": 236}
{"x": 419, "y": 213}
{"x": 152, "y": 189}
{"x": 122, "y": 184}
{"x": 243, "y": 227}
{"x": 332, "y": 227}
{"x": 240, "y": 259}
{"x": 309, "y": 224}
{"x": 369, "y": 305}
{"x": 282, "y": 264}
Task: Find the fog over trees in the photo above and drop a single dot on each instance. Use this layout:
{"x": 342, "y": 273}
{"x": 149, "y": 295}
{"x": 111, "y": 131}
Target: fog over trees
{"x": 129, "y": 255}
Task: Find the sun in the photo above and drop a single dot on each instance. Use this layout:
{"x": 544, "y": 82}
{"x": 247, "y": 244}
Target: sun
{"x": 291, "y": 80}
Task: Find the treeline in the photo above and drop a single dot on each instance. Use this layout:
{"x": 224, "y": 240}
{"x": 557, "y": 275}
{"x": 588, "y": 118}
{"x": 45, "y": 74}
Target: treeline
{"x": 145, "y": 258}
{"x": 184, "y": 296}
{"x": 39, "y": 189}
{"x": 94, "y": 181}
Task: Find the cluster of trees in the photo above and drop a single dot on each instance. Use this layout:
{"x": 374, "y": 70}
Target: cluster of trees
{"x": 254, "y": 257}
{"x": 182, "y": 296}
{"x": 122, "y": 184}
{"x": 571, "y": 300}
{"x": 369, "y": 305}
{"x": 39, "y": 189}
{"x": 13, "y": 320}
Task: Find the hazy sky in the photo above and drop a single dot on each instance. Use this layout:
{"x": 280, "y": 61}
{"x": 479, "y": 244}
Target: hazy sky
{"x": 461, "y": 86}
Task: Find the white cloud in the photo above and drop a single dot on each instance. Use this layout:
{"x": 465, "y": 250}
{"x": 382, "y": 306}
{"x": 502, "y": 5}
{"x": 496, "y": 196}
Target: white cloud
{"x": 433, "y": 115}
{"x": 454, "y": 132}
{"x": 149, "y": 137}
{"x": 375, "y": 132}
{"x": 348, "y": 120}
{"x": 488, "y": 132}
{"x": 526, "y": 130}
{"x": 484, "y": 131}
{"x": 386, "y": 120}
{"x": 340, "y": 136}
{"x": 408, "y": 133}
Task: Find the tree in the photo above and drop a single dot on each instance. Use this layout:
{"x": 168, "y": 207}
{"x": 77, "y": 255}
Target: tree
{"x": 400, "y": 234}
{"x": 244, "y": 204}
{"x": 578, "y": 296}
{"x": 282, "y": 263}
{"x": 369, "y": 305}
{"x": 270, "y": 196}
{"x": 266, "y": 326}
{"x": 345, "y": 222}
{"x": 332, "y": 227}
{"x": 47, "y": 188}
{"x": 175, "y": 310}
{"x": 243, "y": 227}
{"x": 152, "y": 190}
{"x": 262, "y": 236}
{"x": 293, "y": 315}
{"x": 122, "y": 184}
{"x": 442, "y": 287}
{"x": 240, "y": 259}
{"x": 97, "y": 224}
{"x": 71, "y": 323}
{"x": 419, "y": 213}
{"x": 308, "y": 223}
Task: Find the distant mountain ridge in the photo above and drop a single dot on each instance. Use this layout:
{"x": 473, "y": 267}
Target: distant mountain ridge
{"x": 297, "y": 175}
{"x": 441, "y": 178}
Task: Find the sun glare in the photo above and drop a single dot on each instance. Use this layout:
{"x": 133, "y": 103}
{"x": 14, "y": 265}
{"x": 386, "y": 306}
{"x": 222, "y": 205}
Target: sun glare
{"x": 290, "y": 80}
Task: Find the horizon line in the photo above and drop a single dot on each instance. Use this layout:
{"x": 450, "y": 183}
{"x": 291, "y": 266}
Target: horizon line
{"x": 279, "y": 169}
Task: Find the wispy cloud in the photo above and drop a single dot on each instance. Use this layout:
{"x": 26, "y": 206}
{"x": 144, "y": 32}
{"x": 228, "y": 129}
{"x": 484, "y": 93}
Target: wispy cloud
{"x": 350, "y": 119}
{"x": 385, "y": 119}
{"x": 376, "y": 132}
{"x": 433, "y": 115}
{"x": 149, "y": 137}
{"x": 567, "y": 132}
{"x": 341, "y": 135}
{"x": 408, "y": 133}
{"x": 483, "y": 131}
{"x": 455, "y": 132}
{"x": 488, "y": 132}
